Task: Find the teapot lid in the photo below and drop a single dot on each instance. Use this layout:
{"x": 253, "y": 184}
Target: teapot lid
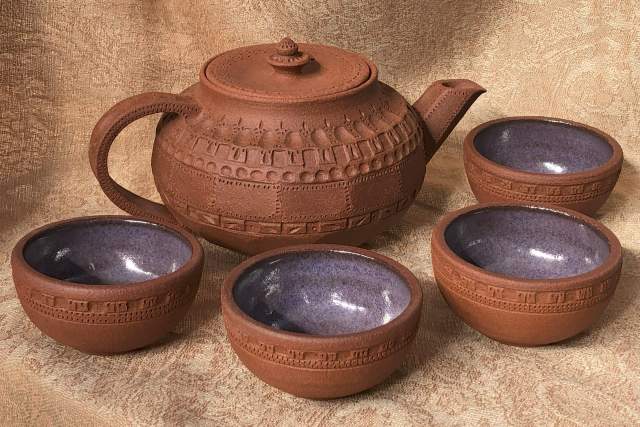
{"x": 287, "y": 72}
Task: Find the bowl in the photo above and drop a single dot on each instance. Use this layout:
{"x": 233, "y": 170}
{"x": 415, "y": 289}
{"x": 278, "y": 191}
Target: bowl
{"x": 106, "y": 284}
{"x": 321, "y": 321}
{"x": 525, "y": 275}
{"x": 542, "y": 160}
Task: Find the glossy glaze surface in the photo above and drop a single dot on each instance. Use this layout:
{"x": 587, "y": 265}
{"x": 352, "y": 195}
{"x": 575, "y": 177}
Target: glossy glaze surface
{"x": 321, "y": 293}
{"x": 107, "y": 251}
{"x": 542, "y": 146}
{"x": 531, "y": 243}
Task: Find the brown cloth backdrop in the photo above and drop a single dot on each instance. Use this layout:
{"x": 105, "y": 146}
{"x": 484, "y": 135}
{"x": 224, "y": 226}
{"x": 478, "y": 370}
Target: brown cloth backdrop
{"x": 63, "y": 63}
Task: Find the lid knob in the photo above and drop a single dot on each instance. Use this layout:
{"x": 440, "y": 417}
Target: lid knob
{"x": 287, "y": 58}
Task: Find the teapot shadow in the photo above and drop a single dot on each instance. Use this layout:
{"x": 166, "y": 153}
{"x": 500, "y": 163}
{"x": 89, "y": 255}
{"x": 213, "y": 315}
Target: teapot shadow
{"x": 434, "y": 199}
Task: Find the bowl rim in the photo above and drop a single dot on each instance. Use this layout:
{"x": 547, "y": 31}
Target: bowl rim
{"x": 413, "y": 307}
{"x": 611, "y": 165}
{"x": 601, "y": 272}
{"x": 17, "y": 255}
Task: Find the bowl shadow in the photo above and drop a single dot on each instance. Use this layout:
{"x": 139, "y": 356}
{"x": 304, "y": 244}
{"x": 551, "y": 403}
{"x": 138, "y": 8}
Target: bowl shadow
{"x": 439, "y": 327}
{"x": 624, "y": 194}
{"x": 626, "y": 294}
{"x": 204, "y": 315}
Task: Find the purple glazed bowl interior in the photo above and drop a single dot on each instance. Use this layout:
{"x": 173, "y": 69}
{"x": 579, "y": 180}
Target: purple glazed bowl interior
{"x": 321, "y": 292}
{"x": 527, "y": 242}
{"x": 107, "y": 251}
{"x": 542, "y": 146}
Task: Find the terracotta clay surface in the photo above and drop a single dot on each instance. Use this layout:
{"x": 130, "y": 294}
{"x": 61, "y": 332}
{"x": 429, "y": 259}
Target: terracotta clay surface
{"x": 321, "y": 321}
{"x": 106, "y": 284}
{"x": 66, "y": 62}
{"x": 525, "y": 275}
{"x": 542, "y": 160}
{"x": 284, "y": 143}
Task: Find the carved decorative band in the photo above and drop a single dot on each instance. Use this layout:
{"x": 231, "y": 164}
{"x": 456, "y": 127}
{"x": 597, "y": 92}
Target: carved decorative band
{"x": 372, "y": 120}
{"x": 106, "y": 312}
{"x": 319, "y": 359}
{"x": 350, "y": 157}
{"x": 288, "y": 228}
{"x": 522, "y": 301}
{"x": 538, "y": 192}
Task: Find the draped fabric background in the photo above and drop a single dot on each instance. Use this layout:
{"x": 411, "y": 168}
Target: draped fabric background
{"x": 63, "y": 63}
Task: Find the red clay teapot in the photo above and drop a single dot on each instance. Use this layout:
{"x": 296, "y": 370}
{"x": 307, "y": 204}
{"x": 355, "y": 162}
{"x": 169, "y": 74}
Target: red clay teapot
{"x": 280, "y": 144}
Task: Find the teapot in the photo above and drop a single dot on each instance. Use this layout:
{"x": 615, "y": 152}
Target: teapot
{"x": 282, "y": 144}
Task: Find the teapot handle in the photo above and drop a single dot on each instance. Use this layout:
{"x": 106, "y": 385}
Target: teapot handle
{"x": 106, "y": 130}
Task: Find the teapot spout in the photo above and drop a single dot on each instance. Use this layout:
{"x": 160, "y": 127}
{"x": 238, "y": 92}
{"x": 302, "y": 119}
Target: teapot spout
{"x": 442, "y": 106}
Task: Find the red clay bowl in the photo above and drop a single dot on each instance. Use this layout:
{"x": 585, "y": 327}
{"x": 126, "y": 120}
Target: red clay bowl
{"x": 525, "y": 275}
{"x": 321, "y": 321}
{"x": 542, "y": 160}
{"x": 106, "y": 284}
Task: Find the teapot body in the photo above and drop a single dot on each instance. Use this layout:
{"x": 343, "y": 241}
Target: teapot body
{"x": 254, "y": 176}
{"x": 282, "y": 144}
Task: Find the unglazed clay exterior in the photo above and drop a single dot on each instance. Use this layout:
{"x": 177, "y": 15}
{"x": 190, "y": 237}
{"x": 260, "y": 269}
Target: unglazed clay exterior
{"x": 525, "y": 275}
{"x": 106, "y": 284}
{"x": 542, "y": 160}
{"x": 321, "y": 321}
{"x": 281, "y": 144}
